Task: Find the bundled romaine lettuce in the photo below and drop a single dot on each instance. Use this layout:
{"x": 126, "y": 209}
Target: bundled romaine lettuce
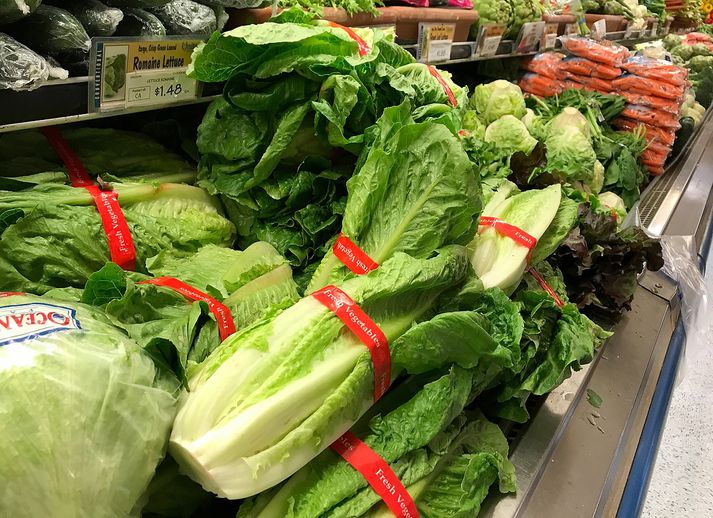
{"x": 27, "y": 158}
{"x": 85, "y": 415}
{"x": 305, "y": 367}
{"x": 176, "y": 332}
{"x": 500, "y": 260}
{"x": 51, "y": 236}
{"x": 446, "y": 460}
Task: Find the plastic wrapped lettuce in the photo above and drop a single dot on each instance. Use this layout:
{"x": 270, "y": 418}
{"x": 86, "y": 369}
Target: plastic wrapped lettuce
{"x": 85, "y": 413}
{"x": 13, "y": 10}
{"x": 55, "y": 32}
{"x": 97, "y": 18}
{"x": 137, "y": 22}
{"x": 186, "y": 17}
{"x": 20, "y": 67}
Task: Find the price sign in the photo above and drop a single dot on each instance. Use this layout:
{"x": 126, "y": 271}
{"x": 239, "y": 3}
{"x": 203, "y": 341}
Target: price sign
{"x": 571, "y": 29}
{"x": 655, "y": 28}
{"x": 135, "y": 72}
{"x": 549, "y": 37}
{"x": 489, "y": 37}
{"x": 600, "y": 29}
{"x": 434, "y": 41}
{"x": 530, "y": 36}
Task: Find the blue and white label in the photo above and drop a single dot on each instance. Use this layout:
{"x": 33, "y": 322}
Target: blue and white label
{"x": 22, "y": 322}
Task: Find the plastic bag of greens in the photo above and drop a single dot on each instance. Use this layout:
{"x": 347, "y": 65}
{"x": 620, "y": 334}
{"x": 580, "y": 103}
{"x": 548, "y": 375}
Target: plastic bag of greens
{"x": 13, "y": 10}
{"x": 138, "y": 22}
{"x": 20, "y": 67}
{"x": 97, "y": 18}
{"x": 85, "y": 413}
{"x": 186, "y": 17}
{"x": 53, "y": 31}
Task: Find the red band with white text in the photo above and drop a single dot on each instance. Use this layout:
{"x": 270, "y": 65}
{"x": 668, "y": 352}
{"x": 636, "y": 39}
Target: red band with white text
{"x": 226, "y": 325}
{"x": 365, "y": 330}
{"x": 543, "y": 284}
{"x": 377, "y": 473}
{"x": 121, "y": 245}
{"x": 506, "y": 229}
{"x": 352, "y": 256}
{"x": 78, "y": 176}
{"x": 444, "y": 85}
{"x": 362, "y": 45}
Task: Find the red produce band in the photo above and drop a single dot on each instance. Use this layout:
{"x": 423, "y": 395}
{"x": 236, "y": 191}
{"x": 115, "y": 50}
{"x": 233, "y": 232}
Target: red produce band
{"x": 352, "y": 256}
{"x": 377, "y": 473}
{"x": 365, "y": 329}
{"x": 444, "y": 85}
{"x": 363, "y": 46}
{"x": 543, "y": 284}
{"x": 506, "y": 229}
{"x": 226, "y": 325}
{"x": 121, "y": 245}
{"x": 9, "y": 293}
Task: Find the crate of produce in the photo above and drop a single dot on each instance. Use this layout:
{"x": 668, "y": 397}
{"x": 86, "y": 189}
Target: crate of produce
{"x": 562, "y": 21}
{"x": 385, "y": 16}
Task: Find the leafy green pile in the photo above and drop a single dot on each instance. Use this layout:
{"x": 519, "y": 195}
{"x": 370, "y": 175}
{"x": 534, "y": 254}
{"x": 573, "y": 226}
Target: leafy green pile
{"x": 82, "y": 406}
{"x": 281, "y": 143}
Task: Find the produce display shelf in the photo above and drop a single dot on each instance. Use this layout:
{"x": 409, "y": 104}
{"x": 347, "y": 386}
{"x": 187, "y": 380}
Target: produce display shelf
{"x": 603, "y": 456}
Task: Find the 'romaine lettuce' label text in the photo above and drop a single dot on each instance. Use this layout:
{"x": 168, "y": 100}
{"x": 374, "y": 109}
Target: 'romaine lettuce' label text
{"x": 22, "y": 322}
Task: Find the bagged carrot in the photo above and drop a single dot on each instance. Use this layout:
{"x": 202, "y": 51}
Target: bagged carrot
{"x": 593, "y": 83}
{"x": 603, "y": 51}
{"x": 651, "y": 116}
{"x": 653, "y": 134}
{"x": 586, "y": 67}
{"x": 539, "y": 85}
{"x": 658, "y": 69}
{"x": 652, "y": 101}
{"x": 546, "y": 64}
{"x": 647, "y": 86}
{"x": 651, "y": 156}
{"x": 654, "y": 170}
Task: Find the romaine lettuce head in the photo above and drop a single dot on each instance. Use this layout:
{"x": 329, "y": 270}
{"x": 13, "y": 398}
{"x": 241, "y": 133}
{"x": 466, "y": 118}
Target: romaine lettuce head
{"x": 510, "y": 134}
{"x": 493, "y": 100}
{"x": 85, "y": 416}
{"x": 51, "y": 236}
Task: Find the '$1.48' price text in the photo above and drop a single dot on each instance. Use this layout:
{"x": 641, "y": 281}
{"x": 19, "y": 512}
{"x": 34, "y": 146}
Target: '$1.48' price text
{"x": 162, "y": 91}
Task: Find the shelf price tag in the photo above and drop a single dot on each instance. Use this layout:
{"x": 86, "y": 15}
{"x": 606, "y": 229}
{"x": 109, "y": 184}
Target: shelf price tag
{"x": 139, "y": 72}
{"x": 549, "y": 37}
{"x": 571, "y": 29}
{"x": 599, "y": 30}
{"x": 489, "y": 37}
{"x": 434, "y": 42}
{"x": 529, "y": 37}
